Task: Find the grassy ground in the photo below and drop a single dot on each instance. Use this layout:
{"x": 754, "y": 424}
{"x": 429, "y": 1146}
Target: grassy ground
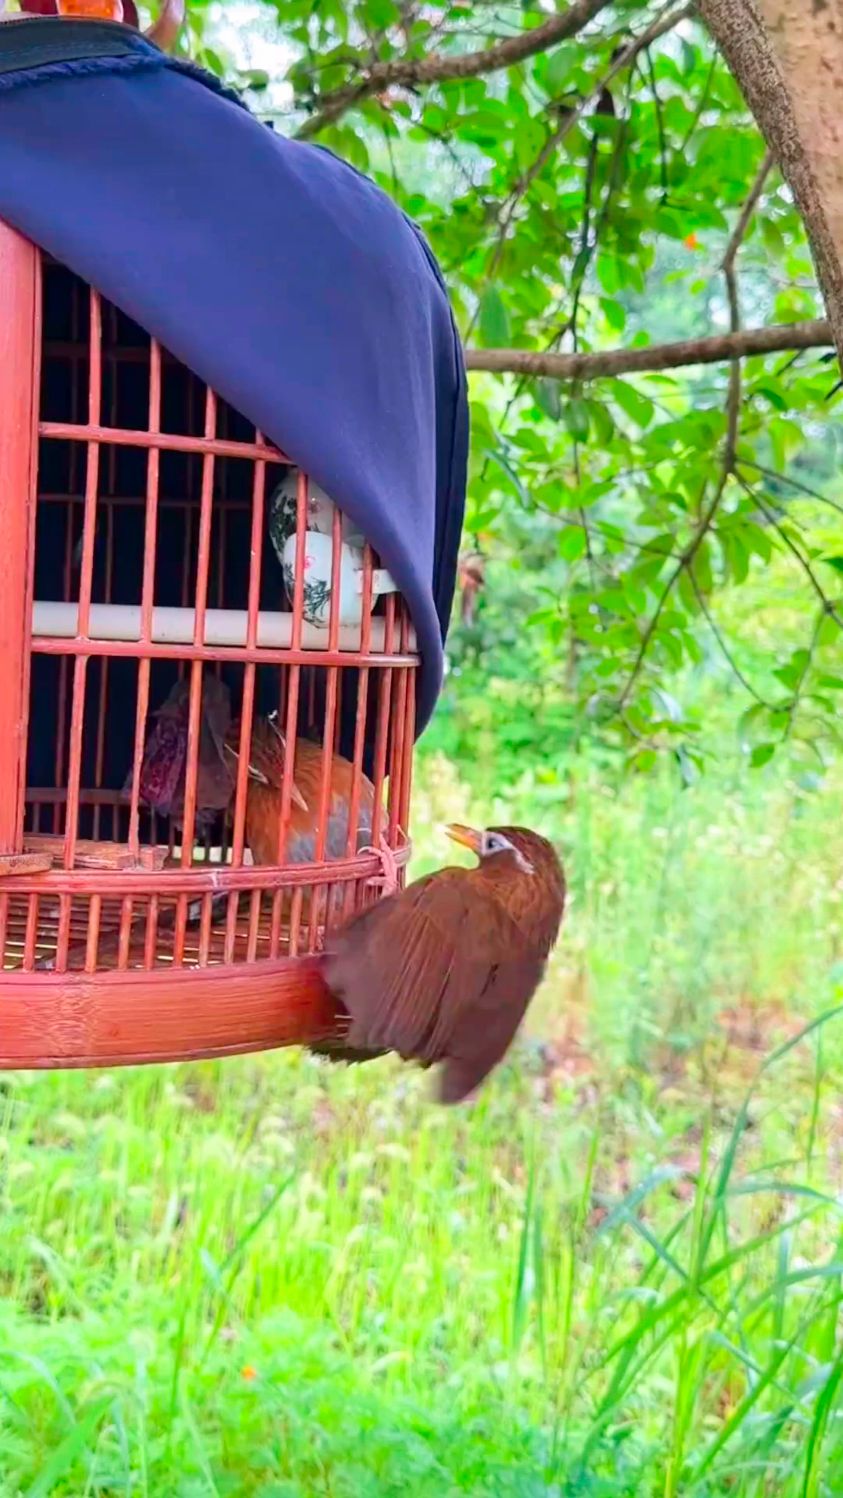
{"x": 616, "y": 1274}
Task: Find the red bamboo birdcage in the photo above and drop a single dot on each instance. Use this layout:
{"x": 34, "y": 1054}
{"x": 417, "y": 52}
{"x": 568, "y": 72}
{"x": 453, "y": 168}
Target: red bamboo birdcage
{"x": 134, "y": 553}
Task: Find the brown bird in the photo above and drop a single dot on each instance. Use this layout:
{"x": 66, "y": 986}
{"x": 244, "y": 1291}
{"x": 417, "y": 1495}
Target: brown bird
{"x": 263, "y": 804}
{"x": 444, "y": 971}
{"x": 163, "y": 772}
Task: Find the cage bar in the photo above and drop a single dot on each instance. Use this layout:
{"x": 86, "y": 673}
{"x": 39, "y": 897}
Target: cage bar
{"x": 19, "y": 382}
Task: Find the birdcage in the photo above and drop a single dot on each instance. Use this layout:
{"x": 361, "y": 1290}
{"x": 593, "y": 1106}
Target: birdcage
{"x": 208, "y": 677}
{"x": 135, "y": 556}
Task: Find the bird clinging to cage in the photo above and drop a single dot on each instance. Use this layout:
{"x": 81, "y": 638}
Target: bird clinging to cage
{"x": 444, "y": 971}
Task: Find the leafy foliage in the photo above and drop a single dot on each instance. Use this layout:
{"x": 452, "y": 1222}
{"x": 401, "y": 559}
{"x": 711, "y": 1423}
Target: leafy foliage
{"x": 581, "y": 198}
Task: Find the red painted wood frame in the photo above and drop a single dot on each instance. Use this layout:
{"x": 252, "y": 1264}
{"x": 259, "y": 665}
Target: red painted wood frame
{"x": 134, "y": 943}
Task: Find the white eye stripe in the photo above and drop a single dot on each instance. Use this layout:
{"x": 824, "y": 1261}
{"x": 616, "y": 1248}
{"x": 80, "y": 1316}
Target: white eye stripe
{"x": 495, "y": 842}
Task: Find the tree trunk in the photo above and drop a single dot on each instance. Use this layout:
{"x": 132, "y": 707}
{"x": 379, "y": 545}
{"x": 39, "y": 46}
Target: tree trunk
{"x": 788, "y": 60}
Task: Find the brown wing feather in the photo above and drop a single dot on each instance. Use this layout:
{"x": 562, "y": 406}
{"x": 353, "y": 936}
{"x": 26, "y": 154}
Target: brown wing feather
{"x": 487, "y": 1026}
{"x": 405, "y": 967}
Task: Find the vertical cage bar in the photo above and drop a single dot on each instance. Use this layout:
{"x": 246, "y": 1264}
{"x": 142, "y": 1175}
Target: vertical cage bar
{"x": 203, "y": 563}
{"x": 20, "y": 340}
{"x": 150, "y": 541}
{"x": 248, "y": 704}
{"x": 80, "y": 664}
{"x": 291, "y": 724}
{"x": 151, "y": 939}
{"x": 64, "y": 668}
{"x": 319, "y": 893}
{"x": 89, "y": 521}
{"x": 111, "y": 356}
{"x": 360, "y": 722}
{"x": 398, "y": 744}
{"x": 76, "y": 406}
{"x": 409, "y": 741}
{"x": 382, "y": 727}
{"x": 30, "y": 933}
{"x": 93, "y": 934}
{"x": 105, "y": 664}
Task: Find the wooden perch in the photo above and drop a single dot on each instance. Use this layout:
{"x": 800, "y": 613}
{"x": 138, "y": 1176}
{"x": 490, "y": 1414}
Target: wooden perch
{"x": 42, "y": 850}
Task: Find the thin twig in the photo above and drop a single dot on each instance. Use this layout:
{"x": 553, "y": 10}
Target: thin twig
{"x": 794, "y": 550}
{"x": 745, "y": 215}
{"x": 803, "y": 675}
{"x": 715, "y": 630}
{"x": 797, "y": 484}
{"x": 685, "y": 561}
{"x": 701, "y": 106}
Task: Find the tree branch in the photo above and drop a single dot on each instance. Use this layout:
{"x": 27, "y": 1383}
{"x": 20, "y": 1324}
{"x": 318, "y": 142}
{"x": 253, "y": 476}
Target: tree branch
{"x": 419, "y": 72}
{"x": 716, "y": 349}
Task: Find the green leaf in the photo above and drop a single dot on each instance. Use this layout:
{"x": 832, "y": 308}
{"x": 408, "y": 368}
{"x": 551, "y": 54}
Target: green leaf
{"x": 494, "y": 320}
{"x": 572, "y": 543}
{"x": 548, "y": 398}
{"x": 614, "y": 313}
{"x": 607, "y": 273}
{"x": 761, "y": 755}
{"x": 635, "y": 405}
{"x": 575, "y": 414}
{"x": 560, "y": 65}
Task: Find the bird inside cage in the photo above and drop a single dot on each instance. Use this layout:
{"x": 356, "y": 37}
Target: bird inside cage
{"x": 267, "y": 759}
{"x": 163, "y": 772}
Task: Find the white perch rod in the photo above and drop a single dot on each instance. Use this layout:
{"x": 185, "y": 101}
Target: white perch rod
{"x": 121, "y": 621}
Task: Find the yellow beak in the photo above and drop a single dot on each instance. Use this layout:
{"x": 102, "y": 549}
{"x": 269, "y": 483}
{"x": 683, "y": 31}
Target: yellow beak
{"x": 467, "y": 837}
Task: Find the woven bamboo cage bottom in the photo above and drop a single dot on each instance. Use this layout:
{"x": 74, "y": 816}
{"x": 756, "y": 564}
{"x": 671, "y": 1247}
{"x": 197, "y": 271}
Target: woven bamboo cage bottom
{"x": 55, "y": 1021}
{"x": 218, "y": 968}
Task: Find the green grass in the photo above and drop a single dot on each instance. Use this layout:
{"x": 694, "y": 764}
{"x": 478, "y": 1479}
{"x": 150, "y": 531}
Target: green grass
{"x": 619, "y": 1272}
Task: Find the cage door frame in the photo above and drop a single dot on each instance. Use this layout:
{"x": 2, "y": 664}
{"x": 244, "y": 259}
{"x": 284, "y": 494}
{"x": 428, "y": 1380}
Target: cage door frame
{"x": 20, "y": 374}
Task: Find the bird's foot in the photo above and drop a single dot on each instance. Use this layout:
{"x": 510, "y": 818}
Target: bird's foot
{"x": 387, "y": 880}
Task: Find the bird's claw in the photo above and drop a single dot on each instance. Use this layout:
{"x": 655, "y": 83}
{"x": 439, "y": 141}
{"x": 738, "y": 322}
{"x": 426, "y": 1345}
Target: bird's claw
{"x": 387, "y": 880}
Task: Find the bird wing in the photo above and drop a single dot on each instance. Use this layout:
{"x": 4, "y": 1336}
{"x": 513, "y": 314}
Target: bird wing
{"x": 487, "y": 1025}
{"x": 407, "y": 968}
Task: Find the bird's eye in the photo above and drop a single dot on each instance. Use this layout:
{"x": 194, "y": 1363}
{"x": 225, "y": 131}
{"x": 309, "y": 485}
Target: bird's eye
{"x": 495, "y": 843}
